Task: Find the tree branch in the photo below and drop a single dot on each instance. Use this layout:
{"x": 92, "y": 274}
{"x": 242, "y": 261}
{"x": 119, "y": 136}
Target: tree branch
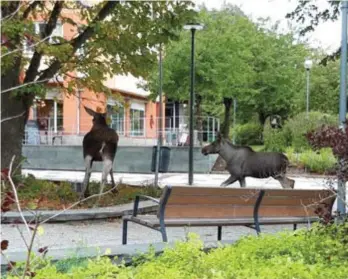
{"x": 23, "y": 85}
{"x": 16, "y": 196}
{"x": 32, "y": 70}
{"x": 31, "y": 7}
{"x": 20, "y": 49}
{"x": 12, "y": 117}
{"x": 8, "y": 12}
{"x": 81, "y": 39}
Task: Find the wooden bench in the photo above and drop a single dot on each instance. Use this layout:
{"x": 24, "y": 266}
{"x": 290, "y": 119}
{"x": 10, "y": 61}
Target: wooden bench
{"x": 251, "y": 207}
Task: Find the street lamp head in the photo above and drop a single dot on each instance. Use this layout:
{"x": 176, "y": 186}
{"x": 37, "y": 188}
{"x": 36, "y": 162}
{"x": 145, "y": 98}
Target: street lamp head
{"x": 308, "y": 64}
{"x": 193, "y": 26}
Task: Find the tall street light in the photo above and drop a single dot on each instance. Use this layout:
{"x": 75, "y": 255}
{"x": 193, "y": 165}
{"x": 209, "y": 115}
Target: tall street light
{"x": 308, "y": 65}
{"x": 341, "y": 187}
{"x": 193, "y": 27}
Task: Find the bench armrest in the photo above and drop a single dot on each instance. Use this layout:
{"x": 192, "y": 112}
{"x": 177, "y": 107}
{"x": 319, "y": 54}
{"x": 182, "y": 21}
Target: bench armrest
{"x": 143, "y": 197}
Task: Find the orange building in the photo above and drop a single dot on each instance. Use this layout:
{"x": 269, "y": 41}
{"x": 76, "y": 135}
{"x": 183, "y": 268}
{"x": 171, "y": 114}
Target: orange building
{"x": 63, "y": 116}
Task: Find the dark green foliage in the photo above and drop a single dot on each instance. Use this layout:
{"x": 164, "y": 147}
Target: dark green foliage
{"x": 248, "y": 134}
{"x": 293, "y": 132}
{"x": 300, "y": 125}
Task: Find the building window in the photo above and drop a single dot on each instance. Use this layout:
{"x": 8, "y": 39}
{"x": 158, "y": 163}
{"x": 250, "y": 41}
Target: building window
{"x": 117, "y": 119}
{"x": 46, "y": 116}
{"x": 137, "y": 118}
{"x": 40, "y": 30}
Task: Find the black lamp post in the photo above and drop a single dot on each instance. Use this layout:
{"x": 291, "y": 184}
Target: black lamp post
{"x": 193, "y": 27}
{"x": 308, "y": 65}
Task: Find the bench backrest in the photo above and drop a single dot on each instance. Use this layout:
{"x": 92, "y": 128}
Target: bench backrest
{"x": 217, "y": 202}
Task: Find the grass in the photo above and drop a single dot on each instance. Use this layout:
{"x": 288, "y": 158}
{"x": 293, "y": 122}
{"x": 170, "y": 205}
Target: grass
{"x": 42, "y": 194}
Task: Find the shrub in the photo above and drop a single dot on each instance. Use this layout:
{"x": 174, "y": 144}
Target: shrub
{"x": 322, "y": 161}
{"x": 294, "y": 131}
{"x": 275, "y": 139}
{"x": 337, "y": 140}
{"x": 248, "y": 134}
{"x": 320, "y": 253}
{"x": 300, "y": 125}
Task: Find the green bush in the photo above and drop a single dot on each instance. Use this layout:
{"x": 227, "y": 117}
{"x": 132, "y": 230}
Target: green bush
{"x": 292, "y": 156}
{"x": 300, "y": 125}
{"x": 293, "y": 131}
{"x": 322, "y": 161}
{"x": 319, "y": 162}
{"x": 275, "y": 139}
{"x": 320, "y": 253}
{"x": 247, "y": 134}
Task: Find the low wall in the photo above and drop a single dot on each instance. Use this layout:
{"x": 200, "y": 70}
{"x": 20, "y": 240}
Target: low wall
{"x": 129, "y": 159}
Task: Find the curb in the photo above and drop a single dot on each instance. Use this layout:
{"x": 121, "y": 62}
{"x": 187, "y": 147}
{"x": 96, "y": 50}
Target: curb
{"x": 79, "y": 214}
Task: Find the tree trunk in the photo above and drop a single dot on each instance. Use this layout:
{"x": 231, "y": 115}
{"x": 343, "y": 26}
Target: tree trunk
{"x": 227, "y": 117}
{"x": 12, "y": 131}
{"x": 220, "y": 164}
{"x": 262, "y": 118}
{"x": 14, "y": 113}
{"x": 199, "y": 120}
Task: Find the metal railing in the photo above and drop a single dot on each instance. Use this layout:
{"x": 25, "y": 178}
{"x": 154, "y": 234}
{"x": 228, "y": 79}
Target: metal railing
{"x": 142, "y": 131}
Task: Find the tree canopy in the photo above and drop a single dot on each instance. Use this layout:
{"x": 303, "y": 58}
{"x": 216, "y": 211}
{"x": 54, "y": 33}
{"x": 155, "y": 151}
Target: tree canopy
{"x": 236, "y": 58}
{"x": 111, "y": 37}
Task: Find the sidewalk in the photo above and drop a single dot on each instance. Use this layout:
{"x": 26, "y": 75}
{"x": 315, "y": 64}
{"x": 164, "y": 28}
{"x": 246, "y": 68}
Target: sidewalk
{"x": 176, "y": 179}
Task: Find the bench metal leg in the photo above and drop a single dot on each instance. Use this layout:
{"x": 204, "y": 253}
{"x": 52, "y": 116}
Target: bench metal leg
{"x": 164, "y": 235}
{"x": 295, "y": 227}
{"x": 219, "y": 232}
{"x": 124, "y": 232}
{"x": 257, "y": 228}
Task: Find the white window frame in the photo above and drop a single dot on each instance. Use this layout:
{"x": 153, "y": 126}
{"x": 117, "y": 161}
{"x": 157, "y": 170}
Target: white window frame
{"x": 58, "y": 31}
{"x": 112, "y": 103}
{"x": 137, "y": 106}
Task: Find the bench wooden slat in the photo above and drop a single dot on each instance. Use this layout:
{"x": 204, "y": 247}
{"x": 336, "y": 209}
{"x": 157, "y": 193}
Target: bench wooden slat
{"x": 187, "y": 190}
{"x": 210, "y": 200}
{"x": 152, "y": 219}
{"x": 234, "y": 211}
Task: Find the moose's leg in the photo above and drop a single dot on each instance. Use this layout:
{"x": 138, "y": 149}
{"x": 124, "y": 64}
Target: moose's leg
{"x": 242, "y": 182}
{"x": 228, "y": 181}
{"x": 113, "y": 181}
{"x": 107, "y": 166}
{"x": 286, "y": 183}
{"x": 88, "y": 171}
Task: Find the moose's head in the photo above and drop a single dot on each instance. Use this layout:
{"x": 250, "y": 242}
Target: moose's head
{"x": 98, "y": 118}
{"x": 215, "y": 146}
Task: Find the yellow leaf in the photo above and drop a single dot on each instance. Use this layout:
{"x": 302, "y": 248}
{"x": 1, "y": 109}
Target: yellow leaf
{"x": 107, "y": 251}
{"x": 40, "y": 230}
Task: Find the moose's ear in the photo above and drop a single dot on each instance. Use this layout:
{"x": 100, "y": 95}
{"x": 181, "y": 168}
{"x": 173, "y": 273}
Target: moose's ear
{"x": 89, "y": 111}
{"x": 219, "y": 136}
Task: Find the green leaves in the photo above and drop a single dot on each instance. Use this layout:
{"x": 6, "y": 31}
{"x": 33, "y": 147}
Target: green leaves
{"x": 122, "y": 43}
{"x": 320, "y": 253}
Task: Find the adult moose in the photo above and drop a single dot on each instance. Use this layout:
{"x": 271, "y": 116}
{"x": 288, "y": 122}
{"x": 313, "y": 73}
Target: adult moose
{"x": 242, "y": 161}
{"x": 99, "y": 144}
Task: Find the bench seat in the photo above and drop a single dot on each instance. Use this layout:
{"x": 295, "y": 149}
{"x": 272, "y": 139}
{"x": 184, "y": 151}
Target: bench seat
{"x": 216, "y": 206}
{"x": 153, "y": 221}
